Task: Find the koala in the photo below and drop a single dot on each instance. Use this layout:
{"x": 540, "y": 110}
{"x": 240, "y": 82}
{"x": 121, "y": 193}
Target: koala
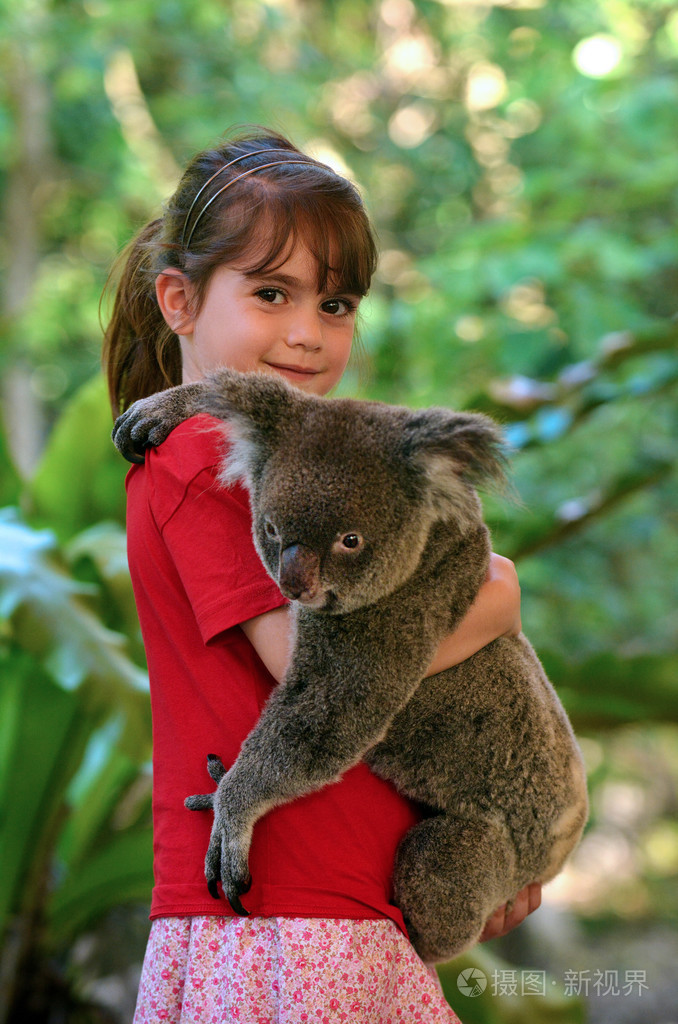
{"x": 367, "y": 517}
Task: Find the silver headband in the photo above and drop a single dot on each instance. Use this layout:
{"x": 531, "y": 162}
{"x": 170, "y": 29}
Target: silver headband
{"x": 252, "y": 170}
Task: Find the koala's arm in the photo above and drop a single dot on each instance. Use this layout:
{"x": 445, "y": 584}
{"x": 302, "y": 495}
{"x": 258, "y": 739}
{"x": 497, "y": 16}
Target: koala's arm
{"x": 340, "y": 694}
{"x": 494, "y": 613}
{"x": 149, "y": 420}
{"x": 338, "y": 698}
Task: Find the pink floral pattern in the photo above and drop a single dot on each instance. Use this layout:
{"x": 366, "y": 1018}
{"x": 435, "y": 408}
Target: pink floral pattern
{"x": 288, "y": 970}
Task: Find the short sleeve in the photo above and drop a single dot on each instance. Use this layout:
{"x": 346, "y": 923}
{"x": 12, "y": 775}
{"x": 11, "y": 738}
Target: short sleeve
{"x": 207, "y": 530}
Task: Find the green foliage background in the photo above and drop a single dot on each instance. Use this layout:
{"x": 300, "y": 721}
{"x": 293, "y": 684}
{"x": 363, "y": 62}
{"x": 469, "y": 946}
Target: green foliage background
{"x": 525, "y": 199}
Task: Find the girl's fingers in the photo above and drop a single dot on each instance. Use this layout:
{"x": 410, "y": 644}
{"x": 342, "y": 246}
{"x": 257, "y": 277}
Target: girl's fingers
{"x": 534, "y": 899}
{"x": 494, "y": 926}
{"x": 504, "y": 920}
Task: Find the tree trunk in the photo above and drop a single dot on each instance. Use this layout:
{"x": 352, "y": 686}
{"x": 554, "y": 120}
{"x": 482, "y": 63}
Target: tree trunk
{"x": 27, "y": 176}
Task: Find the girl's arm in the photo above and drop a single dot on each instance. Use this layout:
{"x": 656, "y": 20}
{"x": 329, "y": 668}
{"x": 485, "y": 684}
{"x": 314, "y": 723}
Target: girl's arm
{"x": 495, "y": 612}
{"x": 271, "y": 635}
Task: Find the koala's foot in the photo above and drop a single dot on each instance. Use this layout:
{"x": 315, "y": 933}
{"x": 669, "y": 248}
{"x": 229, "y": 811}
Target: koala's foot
{"x": 450, "y": 876}
{"x": 226, "y": 858}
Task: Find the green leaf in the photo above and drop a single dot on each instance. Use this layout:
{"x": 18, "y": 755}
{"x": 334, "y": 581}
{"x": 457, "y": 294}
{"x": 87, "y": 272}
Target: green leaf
{"x": 80, "y": 478}
{"x": 10, "y": 483}
{"x": 105, "y": 546}
{"x": 49, "y": 619}
{"x": 122, "y": 871}
{"x": 104, "y": 777}
{"x": 607, "y": 691}
{"x": 43, "y": 736}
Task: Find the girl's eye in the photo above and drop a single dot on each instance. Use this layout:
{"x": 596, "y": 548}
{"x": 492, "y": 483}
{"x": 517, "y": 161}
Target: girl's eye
{"x": 338, "y": 307}
{"x": 349, "y": 542}
{"x": 272, "y": 295}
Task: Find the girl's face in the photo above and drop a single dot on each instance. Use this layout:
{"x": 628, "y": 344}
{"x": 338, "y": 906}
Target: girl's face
{"x": 273, "y": 322}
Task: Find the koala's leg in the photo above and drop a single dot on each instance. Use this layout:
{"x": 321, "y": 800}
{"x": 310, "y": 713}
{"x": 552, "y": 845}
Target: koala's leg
{"x": 450, "y": 876}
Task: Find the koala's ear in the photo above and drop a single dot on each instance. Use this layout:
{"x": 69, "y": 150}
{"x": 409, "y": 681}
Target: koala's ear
{"x": 256, "y": 407}
{"x": 453, "y": 449}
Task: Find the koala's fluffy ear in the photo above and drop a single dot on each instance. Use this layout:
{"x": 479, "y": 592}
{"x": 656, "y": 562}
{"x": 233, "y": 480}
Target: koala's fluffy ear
{"x": 256, "y": 407}
{"x": 455, "y": 449}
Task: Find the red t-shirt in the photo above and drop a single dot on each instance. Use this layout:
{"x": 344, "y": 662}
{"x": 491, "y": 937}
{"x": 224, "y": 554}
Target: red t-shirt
{"x": 196, "y": 576}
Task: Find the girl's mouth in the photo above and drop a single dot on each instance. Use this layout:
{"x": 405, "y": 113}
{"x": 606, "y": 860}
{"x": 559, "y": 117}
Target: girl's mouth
{"x": 296, "y": 374}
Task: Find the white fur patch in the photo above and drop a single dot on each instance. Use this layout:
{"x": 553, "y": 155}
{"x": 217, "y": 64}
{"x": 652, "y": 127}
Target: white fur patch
{"x": 448, "y": 494}
{"x": 239, "y": 437}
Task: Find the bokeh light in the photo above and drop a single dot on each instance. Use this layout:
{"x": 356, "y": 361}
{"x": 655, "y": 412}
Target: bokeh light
{"x": 597, "y": 56}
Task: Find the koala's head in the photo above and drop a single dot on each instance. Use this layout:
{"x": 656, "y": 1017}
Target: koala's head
{"x": 344, "y": 493}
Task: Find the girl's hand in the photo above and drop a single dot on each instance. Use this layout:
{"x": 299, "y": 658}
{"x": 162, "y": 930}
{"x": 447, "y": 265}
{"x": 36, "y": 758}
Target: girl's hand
{"x": 504, "y": 920}
{"x": 503, "y": 578}
{"x": 494, "y": 613}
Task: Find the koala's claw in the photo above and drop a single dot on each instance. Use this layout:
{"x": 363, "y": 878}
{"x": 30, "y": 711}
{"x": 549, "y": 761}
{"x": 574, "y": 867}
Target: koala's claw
{"x": 123, "y": 439}
{"x": 233, "y": 889}
{"x": 133, "y": 435}
{"x": 234, "y": 899}
{"x": 205, "y": 801}
{"x": 237, "y": 907}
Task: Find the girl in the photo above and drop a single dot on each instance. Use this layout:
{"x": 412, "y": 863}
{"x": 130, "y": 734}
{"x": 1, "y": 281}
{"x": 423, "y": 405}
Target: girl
{"x": 259, "y": 262}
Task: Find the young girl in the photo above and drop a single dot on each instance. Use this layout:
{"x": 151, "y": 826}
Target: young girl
{"x": 259, "y": 262}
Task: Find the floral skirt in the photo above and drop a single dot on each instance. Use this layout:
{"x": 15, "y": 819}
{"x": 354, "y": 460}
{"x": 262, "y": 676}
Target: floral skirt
{"x": 262, "y": 970}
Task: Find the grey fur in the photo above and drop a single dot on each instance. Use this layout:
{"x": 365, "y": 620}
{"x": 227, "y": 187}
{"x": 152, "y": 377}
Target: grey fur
{"x": 486, "y": 746}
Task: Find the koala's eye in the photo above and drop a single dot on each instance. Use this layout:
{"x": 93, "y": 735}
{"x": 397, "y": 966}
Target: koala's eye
{"x": 270, "y": 529}
{"x": 349, "y": 542}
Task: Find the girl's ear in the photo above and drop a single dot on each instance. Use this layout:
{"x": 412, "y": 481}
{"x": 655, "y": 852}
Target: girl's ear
{"x": 174, "y": 293}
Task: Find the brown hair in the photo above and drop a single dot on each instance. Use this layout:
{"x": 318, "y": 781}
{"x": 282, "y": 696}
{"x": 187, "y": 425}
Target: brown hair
{"x": 253, "y": 221}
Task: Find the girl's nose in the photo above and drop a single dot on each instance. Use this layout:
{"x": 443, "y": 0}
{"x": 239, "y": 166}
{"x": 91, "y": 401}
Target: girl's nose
{"x": 304, "y": 329}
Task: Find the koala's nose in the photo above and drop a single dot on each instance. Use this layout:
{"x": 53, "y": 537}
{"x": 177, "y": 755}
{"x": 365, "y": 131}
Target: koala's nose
{"x": 299, "y": 572}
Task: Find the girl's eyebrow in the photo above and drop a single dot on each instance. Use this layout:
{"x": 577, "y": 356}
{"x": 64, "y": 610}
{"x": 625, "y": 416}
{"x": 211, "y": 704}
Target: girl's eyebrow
{"x": 274, "y": 276}
{"x": 289, "y": 281}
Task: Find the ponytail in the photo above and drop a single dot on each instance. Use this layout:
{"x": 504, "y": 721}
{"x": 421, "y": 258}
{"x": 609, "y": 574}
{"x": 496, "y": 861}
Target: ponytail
{"x": 141, "y": 353}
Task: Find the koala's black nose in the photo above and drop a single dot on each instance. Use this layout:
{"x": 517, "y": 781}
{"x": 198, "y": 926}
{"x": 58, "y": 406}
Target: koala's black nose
{"x": 298, "y": 571}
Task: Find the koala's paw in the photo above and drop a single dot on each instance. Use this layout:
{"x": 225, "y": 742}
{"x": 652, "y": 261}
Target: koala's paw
{"x": 228, "y": 849}
{"x": 147, "y": 423}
